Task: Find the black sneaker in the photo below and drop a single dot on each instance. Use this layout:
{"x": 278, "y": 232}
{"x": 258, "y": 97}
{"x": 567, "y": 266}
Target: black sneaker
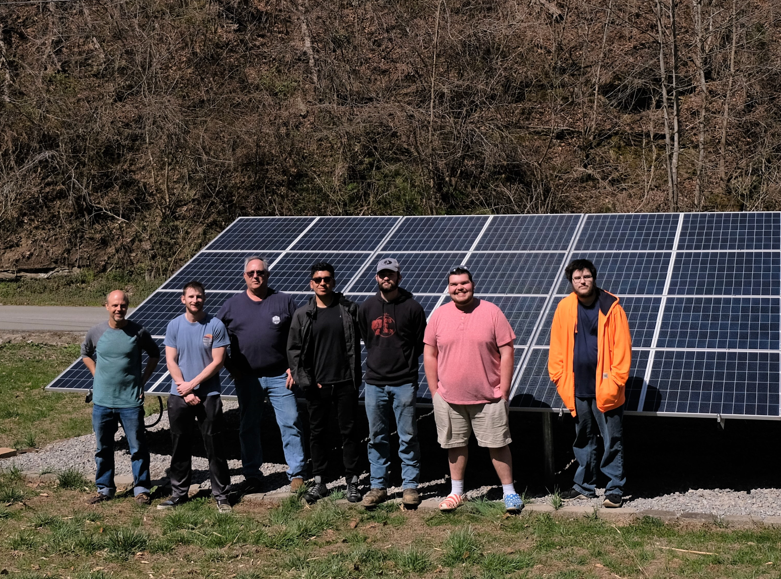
{"x": 353, "y": 494}
{"x": 613, "y": 501}
{"x": 249, "y": 486}
{"x": 171, "y": 503}
{"x": 573, "y": 494}
{"x": 224, "y": 506}
{"x": 316, "y": 492}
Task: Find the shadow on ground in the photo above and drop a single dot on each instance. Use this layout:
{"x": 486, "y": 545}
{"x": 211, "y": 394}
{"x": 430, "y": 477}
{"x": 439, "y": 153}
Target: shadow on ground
{"x": 663, "y": 455}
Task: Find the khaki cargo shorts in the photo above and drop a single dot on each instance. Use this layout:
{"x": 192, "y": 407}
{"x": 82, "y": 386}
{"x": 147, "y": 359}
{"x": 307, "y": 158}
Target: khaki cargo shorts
{"x": 455, "y": 422}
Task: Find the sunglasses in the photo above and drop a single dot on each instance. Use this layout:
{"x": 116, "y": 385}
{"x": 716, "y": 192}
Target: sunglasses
{"x": 455, "y": 271}
{"x": 318, "y": 280}
{"x": 256, "y": 272}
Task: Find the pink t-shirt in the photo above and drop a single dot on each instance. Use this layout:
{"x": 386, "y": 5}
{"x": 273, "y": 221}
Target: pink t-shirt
{"x": 468, "y": 361}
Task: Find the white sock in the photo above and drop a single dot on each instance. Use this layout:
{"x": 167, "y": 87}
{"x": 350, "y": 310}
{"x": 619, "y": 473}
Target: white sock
{"x": 456, "y": 487}
{"x": 509, "y": 489}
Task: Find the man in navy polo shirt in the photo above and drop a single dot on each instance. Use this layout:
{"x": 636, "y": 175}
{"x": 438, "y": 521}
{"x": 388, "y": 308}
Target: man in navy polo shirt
{"x": 258, "y": 322}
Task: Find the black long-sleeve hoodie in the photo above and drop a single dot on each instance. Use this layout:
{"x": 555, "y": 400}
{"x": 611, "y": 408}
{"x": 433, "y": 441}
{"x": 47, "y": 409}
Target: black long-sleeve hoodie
{"x": 393, "y": 334}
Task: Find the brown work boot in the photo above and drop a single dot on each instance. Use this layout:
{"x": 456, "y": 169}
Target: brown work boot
{"x": 374, "y": 497}
{"x": 143, "y": 499}
{"x": 296, "y": 484}
{"x": 410, "y": 498}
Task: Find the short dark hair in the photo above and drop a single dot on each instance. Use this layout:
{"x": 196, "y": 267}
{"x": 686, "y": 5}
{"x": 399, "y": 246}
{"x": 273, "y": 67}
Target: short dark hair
{"x": 322, "y": 266}
{"x": 577, "y": 265}
{"x": 459, "y": 270}
{"x": 195, "y": 285}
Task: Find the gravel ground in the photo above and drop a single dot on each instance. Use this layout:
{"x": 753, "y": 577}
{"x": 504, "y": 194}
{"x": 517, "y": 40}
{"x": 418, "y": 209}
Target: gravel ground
{"x": 78, "y": 453}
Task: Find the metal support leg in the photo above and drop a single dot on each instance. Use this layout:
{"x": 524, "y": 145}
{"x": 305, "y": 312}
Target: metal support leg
{"x": 547, "y": 441}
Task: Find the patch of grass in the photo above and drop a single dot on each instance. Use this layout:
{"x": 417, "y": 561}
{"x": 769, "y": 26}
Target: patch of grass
{"x": 526, "y": 497}
{"x": 125, "y": 542}
{"x": 72, "y": 478}
{"x": 27, "y": 441}
{"x": 23, "y": 541}
{"x": 412, "y": 560}
{"x": 285, "y": 511}
{"x": 555, "y": 499}
{"x": 461, "y": 546}
{"x": 384, "y": 514}
{"x": 11, "y": 494}
{"x": 484, "y": 507}
{"x": 26, "y": 408}
{"x": 12, "y": 475}
{"x": 499, "y": 564}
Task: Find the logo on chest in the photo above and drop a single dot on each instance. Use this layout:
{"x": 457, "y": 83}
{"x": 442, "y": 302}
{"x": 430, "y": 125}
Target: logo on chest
{"x": 208, "y": 339}
{"x": 384, "y": 326}
{"x": 276, "y": 320}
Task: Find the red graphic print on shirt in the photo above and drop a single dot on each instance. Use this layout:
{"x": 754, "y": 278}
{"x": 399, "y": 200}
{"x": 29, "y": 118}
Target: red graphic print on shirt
{"x": 384, "y": 326}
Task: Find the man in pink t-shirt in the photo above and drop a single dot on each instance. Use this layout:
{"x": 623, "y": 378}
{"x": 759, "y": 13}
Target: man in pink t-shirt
{"x": 468, "y": 357}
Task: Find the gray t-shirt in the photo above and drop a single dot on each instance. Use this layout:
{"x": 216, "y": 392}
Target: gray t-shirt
{"x": 117, "y": 355}
{"x": 194, "y": 342}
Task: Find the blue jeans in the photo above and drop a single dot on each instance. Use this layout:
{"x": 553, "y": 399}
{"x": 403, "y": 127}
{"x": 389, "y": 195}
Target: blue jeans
{"x": 380, "y": 400}
{"x": 251, "y": 392}
{"x": 588, "y": 423}
{"x": 104, "y": 423}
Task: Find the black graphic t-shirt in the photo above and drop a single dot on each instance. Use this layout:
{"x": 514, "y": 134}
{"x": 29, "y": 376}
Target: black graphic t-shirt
{"x": 330, "y": 350}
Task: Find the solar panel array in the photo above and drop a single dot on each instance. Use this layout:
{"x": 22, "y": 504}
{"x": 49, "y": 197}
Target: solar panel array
{"x": 701, "y": 291}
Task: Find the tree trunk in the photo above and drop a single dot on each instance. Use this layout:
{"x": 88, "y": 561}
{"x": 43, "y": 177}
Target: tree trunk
{"x": 727, "y": 96}
{"x": 671, "y": 133}
{"x": 699, "y": 62}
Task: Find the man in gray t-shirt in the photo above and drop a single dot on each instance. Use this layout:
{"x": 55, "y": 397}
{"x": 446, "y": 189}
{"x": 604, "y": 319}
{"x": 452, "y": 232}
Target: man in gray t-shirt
{"x": 112, "y": 353}
{"x": 195, "y": 345}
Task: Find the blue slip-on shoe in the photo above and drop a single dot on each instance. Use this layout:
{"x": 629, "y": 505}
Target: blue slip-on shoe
{"x": 513, "y": 504}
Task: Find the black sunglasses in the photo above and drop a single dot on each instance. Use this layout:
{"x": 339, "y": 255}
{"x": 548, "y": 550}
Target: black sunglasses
{"x": 326, "y": 279}
{"x": 455, "y": 271}
{"x": 254, "y": 272}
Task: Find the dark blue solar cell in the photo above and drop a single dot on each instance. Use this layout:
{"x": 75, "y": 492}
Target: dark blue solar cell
{"x": 724, "y": 323}
{"x": 714, "y": 383}
{"x": 162, "y": 307}
{"x": 261, "y": 233}
{"x": 217, "y": 270}
{"x": 626, "y": 273}
{"x": 529, "y": 233}
{"x": 726, "y": 273}
{"x": 445, "y": 233}
{"x": 421, "y": 272}
{"x": 729, "y": 231}
{"x": 515, "y": 273}
{"x": 543, "y": 337}
{"x": 292, "y": 272}
{"x": 522, "y": 313}
{"x": 346, "y": 234}
{"x": 640, "y": 231}
{"x": 533, "y": 388}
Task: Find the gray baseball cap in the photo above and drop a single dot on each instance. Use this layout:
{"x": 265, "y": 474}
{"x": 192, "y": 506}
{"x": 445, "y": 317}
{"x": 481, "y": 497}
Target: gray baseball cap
{"x": 388, "y": 263}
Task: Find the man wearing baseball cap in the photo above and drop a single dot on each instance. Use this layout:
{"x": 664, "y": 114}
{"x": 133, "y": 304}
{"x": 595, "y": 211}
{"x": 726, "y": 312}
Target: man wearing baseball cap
{"x": 392, "y": 325}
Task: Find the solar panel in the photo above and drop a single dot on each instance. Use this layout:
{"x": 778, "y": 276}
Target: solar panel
{"x": 702, "y": 292}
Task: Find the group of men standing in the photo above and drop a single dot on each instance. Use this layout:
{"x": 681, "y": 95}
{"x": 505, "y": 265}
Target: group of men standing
{"x": 468, "y": 357}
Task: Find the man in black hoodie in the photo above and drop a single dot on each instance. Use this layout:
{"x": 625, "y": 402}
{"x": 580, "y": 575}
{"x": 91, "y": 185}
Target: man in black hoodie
{"x": 392, "y": 324}
{"x": 324, "y": 352}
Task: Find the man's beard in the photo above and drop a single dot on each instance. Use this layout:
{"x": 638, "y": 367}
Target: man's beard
{"x": 393, "y": 288}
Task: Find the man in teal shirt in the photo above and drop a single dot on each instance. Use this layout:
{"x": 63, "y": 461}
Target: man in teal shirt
{"x": 112, "y": 353}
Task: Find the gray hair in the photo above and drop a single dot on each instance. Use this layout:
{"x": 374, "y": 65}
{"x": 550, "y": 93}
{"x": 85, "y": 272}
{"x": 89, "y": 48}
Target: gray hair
{"x": 255, "y": 258}
{"x": 125, "y": 297}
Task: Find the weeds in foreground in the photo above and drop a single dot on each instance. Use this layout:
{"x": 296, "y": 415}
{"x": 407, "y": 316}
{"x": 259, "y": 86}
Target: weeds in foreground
{"x": 556, "y": 500}
{"x": 72, "y": 478}
{"x": 412, "y": 560}
{"x": 461, "y": 546}
{"x": 126, "y": 542}
{"x": 27, "y": 441}
{"x": 11, "y": 494}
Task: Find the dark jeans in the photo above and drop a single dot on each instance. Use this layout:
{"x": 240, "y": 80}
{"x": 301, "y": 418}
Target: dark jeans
{"x": 318, "y": 402}
{"x": 104, "y": 423}
{"x": 589, "y": 422}
{"x": 208, "y": 415}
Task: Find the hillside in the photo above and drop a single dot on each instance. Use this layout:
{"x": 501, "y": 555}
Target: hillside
{"x": 131, "y": 132}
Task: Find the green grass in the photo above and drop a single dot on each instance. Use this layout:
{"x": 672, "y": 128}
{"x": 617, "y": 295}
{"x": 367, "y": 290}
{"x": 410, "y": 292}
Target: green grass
{"x": 72, "y": 478}
{"x": 57, "y": 536}
{"x": 85, "y": 288}
{"x": 31, "y": 417}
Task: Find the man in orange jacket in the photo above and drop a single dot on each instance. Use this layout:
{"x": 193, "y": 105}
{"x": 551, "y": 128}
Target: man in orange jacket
{"x": 589, "y": 360}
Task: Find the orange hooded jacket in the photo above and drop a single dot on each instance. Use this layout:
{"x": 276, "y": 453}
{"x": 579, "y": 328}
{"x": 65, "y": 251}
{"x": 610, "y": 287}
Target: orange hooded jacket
{"x": 614, "y": 357}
